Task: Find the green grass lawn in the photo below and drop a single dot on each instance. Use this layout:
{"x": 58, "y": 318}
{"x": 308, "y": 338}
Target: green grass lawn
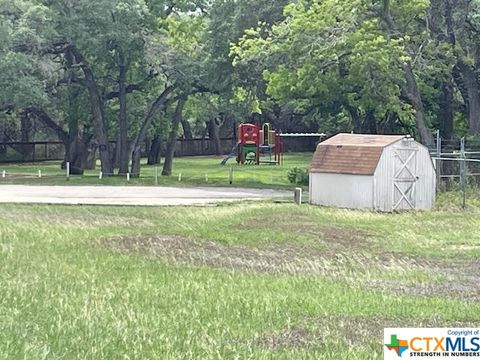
{"x": 201, "y": 170}
{"x": 243, "y": 281}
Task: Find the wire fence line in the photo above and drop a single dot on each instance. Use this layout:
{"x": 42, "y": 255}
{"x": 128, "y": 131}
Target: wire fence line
{"x": 39, "y": 151}
{"x": 224, "y": 175}
{"x": 457, "y": 164}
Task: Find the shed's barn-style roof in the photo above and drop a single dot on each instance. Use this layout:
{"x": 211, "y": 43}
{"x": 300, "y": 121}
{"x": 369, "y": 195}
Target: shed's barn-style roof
{"x": 351, "y": 153}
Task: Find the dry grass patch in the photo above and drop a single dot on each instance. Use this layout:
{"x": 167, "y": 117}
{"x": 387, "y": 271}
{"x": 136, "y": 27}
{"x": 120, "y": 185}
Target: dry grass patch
{"x": 272, "y": 258}
{"x": 352, "y": 331}
{"x": 357, "y": 267}
{"x": 88, "y": 219}
{"x": 462, "y": 281}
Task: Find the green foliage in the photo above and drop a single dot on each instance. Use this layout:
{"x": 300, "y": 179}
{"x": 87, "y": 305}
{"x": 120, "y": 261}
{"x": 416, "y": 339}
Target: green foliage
{"x": 298, "y": 176}
{"x": 307, "y": 65}
{"x": 333, "y": 55}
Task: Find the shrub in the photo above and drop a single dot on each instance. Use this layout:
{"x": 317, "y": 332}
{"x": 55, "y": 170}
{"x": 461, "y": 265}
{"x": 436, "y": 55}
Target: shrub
{"x": 298, "y": 176}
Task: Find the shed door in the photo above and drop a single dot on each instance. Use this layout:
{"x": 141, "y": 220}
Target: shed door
{"x": 405, "y": 178}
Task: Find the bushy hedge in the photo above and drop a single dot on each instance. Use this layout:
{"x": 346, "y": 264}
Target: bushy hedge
{"x": 298, "y": 176}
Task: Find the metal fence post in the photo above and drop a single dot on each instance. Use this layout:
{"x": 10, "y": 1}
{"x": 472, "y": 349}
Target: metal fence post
{"x": 463, "y": 172}
{"x": 439, "y": 161}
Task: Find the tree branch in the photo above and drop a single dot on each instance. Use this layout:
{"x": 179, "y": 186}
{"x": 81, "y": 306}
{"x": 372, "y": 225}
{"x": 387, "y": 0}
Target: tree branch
{"x": 42, "y": 116}
{"x": 132, "y": 87}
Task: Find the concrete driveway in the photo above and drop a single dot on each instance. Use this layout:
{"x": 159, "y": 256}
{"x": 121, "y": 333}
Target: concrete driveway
{"x": 132, "y": 195}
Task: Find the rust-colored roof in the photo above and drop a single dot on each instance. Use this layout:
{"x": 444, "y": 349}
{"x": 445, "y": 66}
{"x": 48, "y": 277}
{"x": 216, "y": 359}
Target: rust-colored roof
{"x": 351, "y": 153}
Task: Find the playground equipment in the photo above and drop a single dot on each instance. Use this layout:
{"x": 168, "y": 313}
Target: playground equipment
{"x": 258, "y": 145}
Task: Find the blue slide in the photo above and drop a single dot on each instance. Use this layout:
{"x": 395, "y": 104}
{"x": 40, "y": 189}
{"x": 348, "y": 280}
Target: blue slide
{"x": 232, "y": 154}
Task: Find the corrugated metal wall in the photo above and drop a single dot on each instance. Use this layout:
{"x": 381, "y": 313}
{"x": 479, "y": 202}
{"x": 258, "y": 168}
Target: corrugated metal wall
{"x": 342, "y": 190}
{"x": 388, "y": 166}
{"x": 377, "y": 192}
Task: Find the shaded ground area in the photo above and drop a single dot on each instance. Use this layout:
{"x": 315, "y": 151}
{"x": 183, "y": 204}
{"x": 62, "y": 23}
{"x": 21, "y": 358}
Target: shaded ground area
{"x": 121, "y": 195}
{"x": 344, "y": 254}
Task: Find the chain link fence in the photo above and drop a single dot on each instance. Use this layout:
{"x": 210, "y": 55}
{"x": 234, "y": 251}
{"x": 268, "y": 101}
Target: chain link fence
{"x": 24, "y": 152}
{"x": 457, "y": 163}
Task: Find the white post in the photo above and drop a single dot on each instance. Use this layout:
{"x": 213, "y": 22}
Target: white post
{"x": 298, "y": 196}
{"x": 68, "y": 170}
{"x": 128, "y": 176}
{"x": 180, "y": 177}
{"x": 100, "y": 175}
{"x": 206, "y": 177}
{"x": 39, "y": 173}
{"x": 4, "y": 174}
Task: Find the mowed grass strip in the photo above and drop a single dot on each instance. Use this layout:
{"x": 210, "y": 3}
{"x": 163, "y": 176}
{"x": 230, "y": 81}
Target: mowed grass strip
{"x": 187, "y": 171}
{"x": 262, "y": 281}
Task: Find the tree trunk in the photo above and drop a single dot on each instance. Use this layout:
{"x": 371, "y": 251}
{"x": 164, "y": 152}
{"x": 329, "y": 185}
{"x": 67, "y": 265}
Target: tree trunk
{"x": 356, "y": 122}
{"x": 464, "y": 74}
{"x": 187, "y": 129}
{"x": 98, "y": 112}
{"x": 161, "y": 102}
{"x": 75, "y": 150}
{"x": 172, "y": 139}
{"x": 122, "y": 144}
{"x": 77, "y": 156}
{"x": 370, "y": 123}
{"x": 154, "y": 153}
{"x": 472, "y": 88}
{"x": 26, "y": 128}
{"x": 91, "y": 156}
{"x": 75, "y": 147}
{"x": 447, "y": 112}
{"x": 228, "y": 126}
{"x": 412, "y": 93}
{"x": 213, "y": 132}
{"x": 410, "y": 89}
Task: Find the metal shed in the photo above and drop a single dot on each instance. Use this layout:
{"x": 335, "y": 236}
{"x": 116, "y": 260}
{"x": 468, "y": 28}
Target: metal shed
{"x": 376, "y": 172}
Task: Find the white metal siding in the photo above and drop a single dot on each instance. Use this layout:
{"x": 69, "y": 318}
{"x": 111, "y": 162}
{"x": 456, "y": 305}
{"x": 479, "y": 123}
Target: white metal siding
{"x": 384, "y": 181}
{"x": 341, "y": 190}
{"x": 426, "y": 185}
{"x": 385, "y": 172}
{"x": 377, "y": 192}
